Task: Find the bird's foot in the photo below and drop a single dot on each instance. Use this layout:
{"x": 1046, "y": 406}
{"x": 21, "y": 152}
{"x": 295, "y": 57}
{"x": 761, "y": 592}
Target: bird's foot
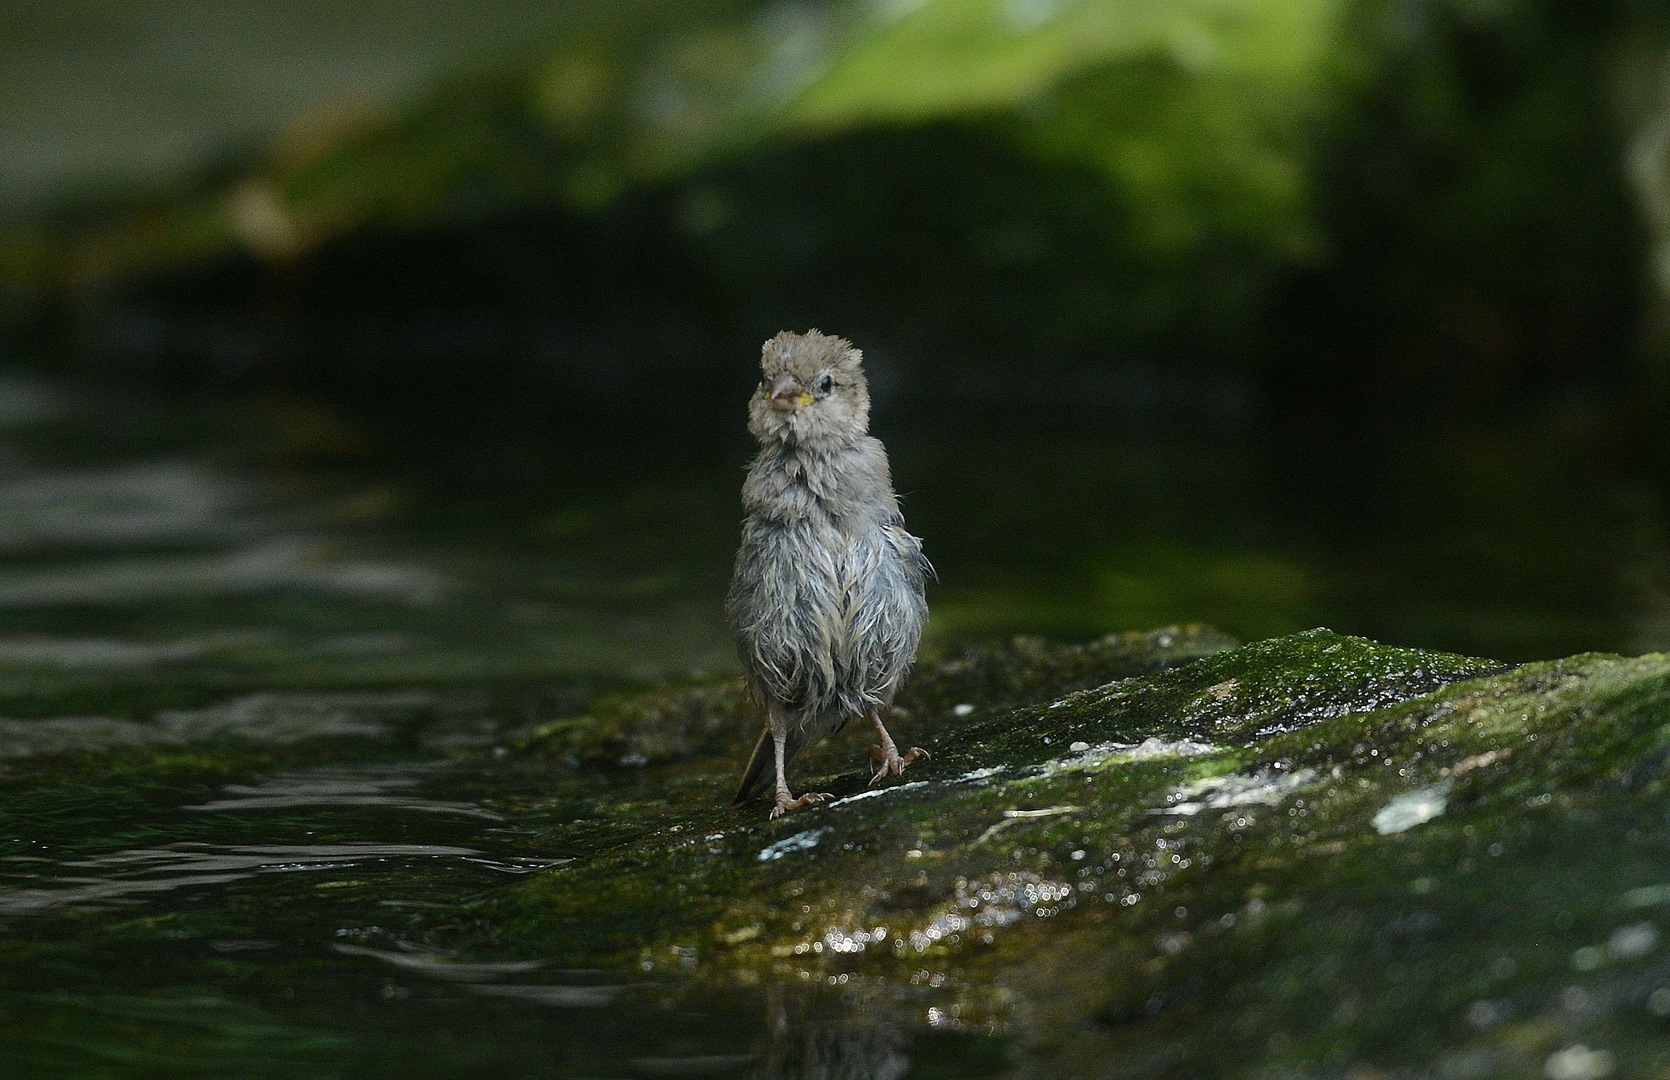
{"x": 889, "y": 762}
{"x": 786, "y": 802}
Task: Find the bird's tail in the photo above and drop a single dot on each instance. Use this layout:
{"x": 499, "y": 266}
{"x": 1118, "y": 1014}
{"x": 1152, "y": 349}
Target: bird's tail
{"x": 761, "y": 773}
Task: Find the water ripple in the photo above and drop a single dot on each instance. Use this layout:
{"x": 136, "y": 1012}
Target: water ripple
{"x": 332, "y": 787}
{"x": 121, "y": 877}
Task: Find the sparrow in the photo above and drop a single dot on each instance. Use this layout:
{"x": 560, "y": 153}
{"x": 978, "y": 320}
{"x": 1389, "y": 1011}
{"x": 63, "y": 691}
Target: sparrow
{"x": 826, "y": 601}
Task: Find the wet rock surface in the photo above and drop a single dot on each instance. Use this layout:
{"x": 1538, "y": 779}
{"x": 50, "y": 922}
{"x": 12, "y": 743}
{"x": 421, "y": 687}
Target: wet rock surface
{"x": 1322, "y": 853}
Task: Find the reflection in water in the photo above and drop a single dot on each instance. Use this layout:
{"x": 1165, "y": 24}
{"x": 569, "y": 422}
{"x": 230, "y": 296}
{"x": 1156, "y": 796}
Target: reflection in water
{"x": 689, "y": 1064}
{"x": 286, "y": 717}
{"x": 482, "y": 977}
{"x": 806, "y": 1035}
{"x": 436, "y": 966}
{"x": 102, "y": 880}
{"x": 287, "y": 563}
{"x": 562, "y": 997}
{"x": 807, "y": 1039}
{"x": 345, "y": 787}
{"x": 97, "y": 653}
{"x": 163, "y": 554}
{"x": 124, "y": 505}
{"x": 276, "y": 719}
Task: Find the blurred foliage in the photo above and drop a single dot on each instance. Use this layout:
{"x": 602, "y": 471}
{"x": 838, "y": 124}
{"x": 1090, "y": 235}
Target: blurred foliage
{"x": 1477, "y": 189}
{"x": 1380, "y": 198}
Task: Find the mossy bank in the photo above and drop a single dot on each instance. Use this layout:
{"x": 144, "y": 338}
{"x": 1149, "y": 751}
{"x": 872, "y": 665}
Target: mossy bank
{"x": 1317, "y": 852}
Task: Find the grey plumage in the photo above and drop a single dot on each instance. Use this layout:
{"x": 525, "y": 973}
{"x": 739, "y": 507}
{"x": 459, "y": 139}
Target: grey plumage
{"x": 827, "y": 598}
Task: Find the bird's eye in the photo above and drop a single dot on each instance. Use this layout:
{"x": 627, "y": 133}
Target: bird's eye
{"x": 826, "y": 384}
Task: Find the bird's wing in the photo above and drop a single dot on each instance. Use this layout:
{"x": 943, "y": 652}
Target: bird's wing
{"x": 909, "y": 549}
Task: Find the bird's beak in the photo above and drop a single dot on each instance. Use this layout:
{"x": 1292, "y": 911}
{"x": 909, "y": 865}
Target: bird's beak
{"x": 787, "y": 394}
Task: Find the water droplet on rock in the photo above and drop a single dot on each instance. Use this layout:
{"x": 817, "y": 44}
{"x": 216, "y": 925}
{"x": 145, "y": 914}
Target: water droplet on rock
{"x": 1410, "y": 809}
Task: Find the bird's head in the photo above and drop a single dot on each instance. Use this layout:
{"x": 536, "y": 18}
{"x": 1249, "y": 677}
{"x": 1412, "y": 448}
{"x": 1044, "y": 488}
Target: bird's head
{"x": 812, "y": 392}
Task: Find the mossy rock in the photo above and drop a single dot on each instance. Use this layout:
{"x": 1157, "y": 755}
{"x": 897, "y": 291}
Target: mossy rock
{"x": 653, "y": 727}
{"x": 1323, "y": 855}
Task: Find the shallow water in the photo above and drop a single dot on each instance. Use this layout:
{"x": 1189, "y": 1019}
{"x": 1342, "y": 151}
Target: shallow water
{"x": 263, "y": 694}
{"x": 277, "y": 926}
{"x": 253, "y": 918}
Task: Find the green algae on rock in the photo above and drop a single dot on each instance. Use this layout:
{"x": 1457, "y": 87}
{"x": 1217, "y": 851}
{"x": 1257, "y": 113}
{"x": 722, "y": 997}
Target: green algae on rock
{"x": 1326, "y": 852}
{"x": 1130, "y": 738}
{"x": 656, "y": 726}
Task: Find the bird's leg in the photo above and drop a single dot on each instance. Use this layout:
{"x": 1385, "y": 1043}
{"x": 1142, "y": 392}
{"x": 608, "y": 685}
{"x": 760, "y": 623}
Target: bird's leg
{"x": 888, "y": 760}
{"x": 785, "y": 801}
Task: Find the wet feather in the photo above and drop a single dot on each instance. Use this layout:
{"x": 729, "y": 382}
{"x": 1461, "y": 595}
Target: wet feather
{"x": 826, "y": 601}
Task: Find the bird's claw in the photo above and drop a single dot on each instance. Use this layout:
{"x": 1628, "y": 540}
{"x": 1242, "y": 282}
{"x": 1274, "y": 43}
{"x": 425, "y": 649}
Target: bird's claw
{"x": 784, "y": 803}
{"x": 891, "y": 763}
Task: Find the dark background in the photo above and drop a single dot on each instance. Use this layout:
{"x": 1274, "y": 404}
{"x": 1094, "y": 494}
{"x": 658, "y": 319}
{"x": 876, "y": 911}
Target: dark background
{"x": 1271, "y": 314}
